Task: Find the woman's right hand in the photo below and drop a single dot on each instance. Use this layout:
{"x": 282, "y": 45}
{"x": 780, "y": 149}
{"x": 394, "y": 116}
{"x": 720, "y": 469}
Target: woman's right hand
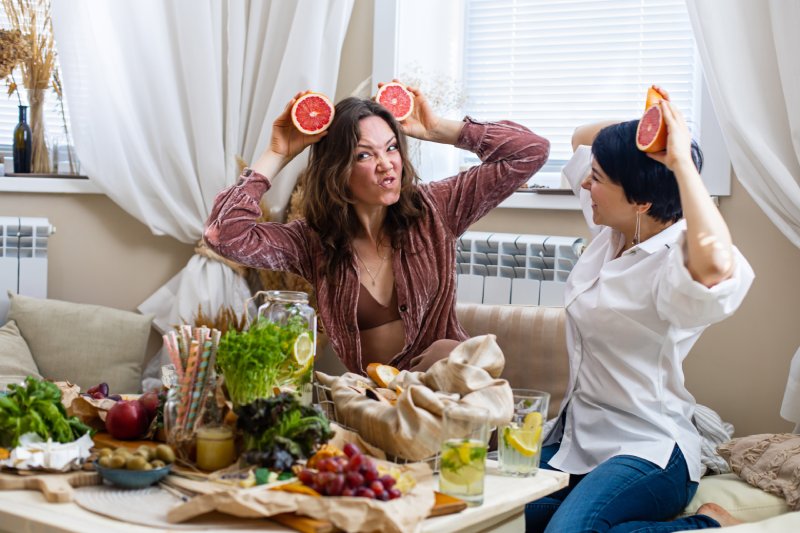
{"x": 287, "y": 141}
{"x": 679, "y": 140}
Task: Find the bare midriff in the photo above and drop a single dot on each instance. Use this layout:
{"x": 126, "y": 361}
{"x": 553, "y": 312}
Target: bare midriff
{"x": 381, "y": 343}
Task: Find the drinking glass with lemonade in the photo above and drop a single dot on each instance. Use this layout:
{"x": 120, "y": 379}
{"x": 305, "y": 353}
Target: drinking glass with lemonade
{"x": 520, "y": 442}
{"x": 462, "y": 463}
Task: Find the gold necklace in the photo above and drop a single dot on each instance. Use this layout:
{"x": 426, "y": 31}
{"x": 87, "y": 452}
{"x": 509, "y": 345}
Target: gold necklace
{"x": 380, "y": 266}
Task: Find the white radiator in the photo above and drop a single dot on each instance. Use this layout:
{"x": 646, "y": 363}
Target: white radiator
{"x": 23, "y": 258}
{"x": 507, "y": 268}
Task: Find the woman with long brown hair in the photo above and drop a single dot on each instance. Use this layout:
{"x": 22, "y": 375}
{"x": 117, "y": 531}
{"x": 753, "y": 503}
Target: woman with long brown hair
{"x": 377, "y": 245}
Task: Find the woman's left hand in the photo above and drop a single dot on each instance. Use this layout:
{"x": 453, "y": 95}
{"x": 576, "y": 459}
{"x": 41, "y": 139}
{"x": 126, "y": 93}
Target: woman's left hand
{"x": 679, "y": 140}
{"x": 422, "y": 122}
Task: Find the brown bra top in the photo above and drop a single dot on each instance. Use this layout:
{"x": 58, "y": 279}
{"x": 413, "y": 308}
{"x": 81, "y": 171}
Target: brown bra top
{"x": 370, "y": 314}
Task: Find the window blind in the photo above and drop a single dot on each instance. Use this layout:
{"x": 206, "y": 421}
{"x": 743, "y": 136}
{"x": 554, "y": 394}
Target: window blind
{"x": 9, "y": 108}
{"x": 553, "y": 66}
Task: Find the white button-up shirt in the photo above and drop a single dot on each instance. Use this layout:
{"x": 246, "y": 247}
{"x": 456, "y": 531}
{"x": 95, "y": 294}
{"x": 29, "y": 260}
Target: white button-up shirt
{"x": 631, "y": 321}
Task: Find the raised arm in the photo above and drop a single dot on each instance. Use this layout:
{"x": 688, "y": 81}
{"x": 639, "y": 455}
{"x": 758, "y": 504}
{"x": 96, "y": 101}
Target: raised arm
{"x": 232, "y": 229}
{"x": 586, "y": 134}
{"x": 709, "y": 256}
{"x": 285, "y": 144}
{"x": 426, "y": 125}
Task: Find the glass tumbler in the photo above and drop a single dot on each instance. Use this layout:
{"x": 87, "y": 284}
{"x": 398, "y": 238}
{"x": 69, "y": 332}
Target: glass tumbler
{"x": 462, "y": 462}
{"x": 519, "y": 443}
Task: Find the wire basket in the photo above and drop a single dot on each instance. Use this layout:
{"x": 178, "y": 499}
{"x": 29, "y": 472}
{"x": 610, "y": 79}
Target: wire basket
{"x": 323, "y": 397}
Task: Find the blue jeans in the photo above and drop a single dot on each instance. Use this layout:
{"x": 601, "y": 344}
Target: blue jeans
{"x": 623, "y": 494}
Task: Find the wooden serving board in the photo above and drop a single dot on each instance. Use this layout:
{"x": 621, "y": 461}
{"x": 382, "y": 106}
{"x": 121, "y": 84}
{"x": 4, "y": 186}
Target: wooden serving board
{"x": 56, "y": 487}
{"x": 444, "y": 505}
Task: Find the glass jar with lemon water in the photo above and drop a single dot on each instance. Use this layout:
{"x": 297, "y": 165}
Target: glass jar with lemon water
{"x": 520, "y": 442}
{"x": 276, "y": 352}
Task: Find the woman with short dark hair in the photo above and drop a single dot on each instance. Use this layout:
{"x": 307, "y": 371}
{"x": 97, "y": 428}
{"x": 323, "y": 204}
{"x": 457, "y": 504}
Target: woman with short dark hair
{"x": 377, "y": 246}
{"x": 659, "y": 270}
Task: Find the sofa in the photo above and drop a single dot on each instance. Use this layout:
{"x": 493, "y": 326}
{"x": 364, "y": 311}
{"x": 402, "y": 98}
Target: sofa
{"x": 533, "y": 340}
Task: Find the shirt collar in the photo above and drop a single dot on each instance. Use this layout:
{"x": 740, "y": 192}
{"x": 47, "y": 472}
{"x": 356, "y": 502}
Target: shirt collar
{"x": 667, "y": 237}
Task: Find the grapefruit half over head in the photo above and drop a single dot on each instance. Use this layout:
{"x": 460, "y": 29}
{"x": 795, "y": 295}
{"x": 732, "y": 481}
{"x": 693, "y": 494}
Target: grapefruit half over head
{"x": 651, "y": 133}
{"x": 397, "y": 99}
{"x": 312, "y": 113}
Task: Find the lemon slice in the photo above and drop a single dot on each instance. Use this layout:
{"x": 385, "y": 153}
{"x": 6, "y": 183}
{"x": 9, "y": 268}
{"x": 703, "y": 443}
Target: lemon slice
{"x": 525, "y": 439}
{"x": 303, "y": 350}
{"x": 381, "y": 374}
{"x": 532, "y": 422}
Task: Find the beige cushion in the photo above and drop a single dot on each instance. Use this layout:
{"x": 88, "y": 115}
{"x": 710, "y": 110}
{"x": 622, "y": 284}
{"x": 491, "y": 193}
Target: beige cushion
{"x": 533, "y": 340}
{"x": 780, "y": 524}
{"x": 16, "y": 361}
{"x": 84, "y": 344}
{"x": 769, "y": 461}
{"x": 741, "y": 499}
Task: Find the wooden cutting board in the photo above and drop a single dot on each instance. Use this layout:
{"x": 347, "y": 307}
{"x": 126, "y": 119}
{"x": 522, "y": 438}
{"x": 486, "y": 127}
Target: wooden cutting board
{"x": 55, "y": 487}
{"x": 444, "y": 505}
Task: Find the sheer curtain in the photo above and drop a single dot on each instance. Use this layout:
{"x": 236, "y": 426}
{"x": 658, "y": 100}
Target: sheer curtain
{"x": 749, "y": 53}
{"x": 164, "y": 95}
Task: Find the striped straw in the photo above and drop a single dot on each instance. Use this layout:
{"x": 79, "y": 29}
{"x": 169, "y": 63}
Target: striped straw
{"x": 199, "y": 385}
{"x": 187, "y": 383}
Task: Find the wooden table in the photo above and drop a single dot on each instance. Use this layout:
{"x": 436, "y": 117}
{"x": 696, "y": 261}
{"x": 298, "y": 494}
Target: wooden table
{"x": 502, "y": 509}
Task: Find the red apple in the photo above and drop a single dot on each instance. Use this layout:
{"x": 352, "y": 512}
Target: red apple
{"x": 127, "y": 420}
{"x": 149, "y": 401}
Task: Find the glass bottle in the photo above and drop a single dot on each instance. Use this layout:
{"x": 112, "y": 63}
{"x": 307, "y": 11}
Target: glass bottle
{"x": 290, "y": 310}
{"x": 23, "y": 149}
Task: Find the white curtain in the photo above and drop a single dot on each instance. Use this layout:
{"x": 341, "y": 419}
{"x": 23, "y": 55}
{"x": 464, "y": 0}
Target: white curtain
{"x": 163, "y": 95}
{"x": 749, "y": 50}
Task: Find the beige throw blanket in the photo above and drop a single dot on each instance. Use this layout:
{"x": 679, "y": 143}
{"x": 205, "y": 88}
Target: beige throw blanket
{"x": 412, "y": 428}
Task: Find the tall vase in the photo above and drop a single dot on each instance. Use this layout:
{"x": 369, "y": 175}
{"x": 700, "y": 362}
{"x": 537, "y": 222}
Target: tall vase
{"x": 22, "y": 144}
{"x": 40, "y": 161}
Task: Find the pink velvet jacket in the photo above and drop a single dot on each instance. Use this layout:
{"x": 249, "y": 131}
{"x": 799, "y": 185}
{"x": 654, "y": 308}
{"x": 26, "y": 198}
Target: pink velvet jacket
{"x": 424, "y": 269}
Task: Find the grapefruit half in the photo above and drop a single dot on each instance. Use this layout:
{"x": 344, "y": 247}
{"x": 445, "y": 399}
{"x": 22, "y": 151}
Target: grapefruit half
{"x": 651, "y": 133}
{"x": 312, "y": 113}
{"x": 397, "y": 99}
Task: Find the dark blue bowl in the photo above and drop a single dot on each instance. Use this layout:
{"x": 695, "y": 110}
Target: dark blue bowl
{"x": 133, "y": 479}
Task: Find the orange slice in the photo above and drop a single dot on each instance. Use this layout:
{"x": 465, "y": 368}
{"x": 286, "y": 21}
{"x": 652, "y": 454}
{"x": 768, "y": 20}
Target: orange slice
{"x": 381, "y": 374}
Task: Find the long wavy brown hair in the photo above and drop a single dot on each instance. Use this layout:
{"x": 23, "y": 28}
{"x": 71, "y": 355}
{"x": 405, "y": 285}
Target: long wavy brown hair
{"x": 327, "y": 200}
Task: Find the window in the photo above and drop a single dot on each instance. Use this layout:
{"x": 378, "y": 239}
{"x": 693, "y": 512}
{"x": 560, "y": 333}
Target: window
{"x": 9, "y": 112}
{"x": 553, "y": 66}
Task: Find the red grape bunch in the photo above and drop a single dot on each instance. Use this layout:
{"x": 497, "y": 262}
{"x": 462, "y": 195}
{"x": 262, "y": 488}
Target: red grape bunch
{"x": 351, "y": 474}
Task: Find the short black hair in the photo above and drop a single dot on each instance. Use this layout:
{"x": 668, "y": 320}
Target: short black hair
{"x": 642, "y": 179}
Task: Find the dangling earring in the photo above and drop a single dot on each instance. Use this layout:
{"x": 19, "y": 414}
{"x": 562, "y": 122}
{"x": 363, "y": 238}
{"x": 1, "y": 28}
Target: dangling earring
{"x": 636, "y": 234}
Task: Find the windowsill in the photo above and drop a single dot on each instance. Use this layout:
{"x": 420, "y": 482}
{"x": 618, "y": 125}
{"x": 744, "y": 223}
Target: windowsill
{"x": 48, "y": 183}
{"x": 542, "y": 199}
